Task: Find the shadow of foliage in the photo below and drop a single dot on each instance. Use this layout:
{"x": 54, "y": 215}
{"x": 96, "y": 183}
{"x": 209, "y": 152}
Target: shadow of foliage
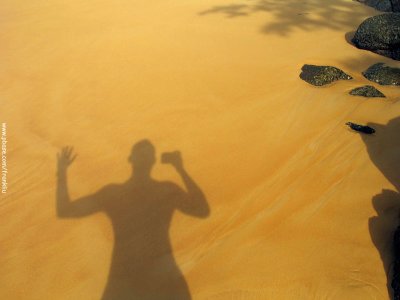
{"x": 304, "y": 15}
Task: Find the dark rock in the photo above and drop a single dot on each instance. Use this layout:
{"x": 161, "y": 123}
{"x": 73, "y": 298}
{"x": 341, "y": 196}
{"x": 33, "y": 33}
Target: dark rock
{"x": 395, "y": 5}
{"x": 321, "y": 75}
{"x": 380, "y": 34}
{"x": 383, "y": 75}
{"x": 366, "y": 91}
{"x": 361, "y": 128}
{"x": 396, "y": 265}
{"x": 381, "y": 5}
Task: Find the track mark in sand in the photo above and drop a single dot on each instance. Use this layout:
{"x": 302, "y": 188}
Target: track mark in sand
{"x": 365, "y": 283}
{"x": 311, "y": 210}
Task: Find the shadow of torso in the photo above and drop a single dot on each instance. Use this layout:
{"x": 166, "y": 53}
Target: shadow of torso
{"x": 142, "y": 266}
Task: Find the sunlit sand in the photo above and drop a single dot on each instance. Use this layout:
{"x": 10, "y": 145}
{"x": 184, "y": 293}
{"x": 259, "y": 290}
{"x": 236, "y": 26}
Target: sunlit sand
{"x": 292, "y": 193}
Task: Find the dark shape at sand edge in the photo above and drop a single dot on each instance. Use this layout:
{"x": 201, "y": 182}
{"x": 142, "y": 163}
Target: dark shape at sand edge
{"x": 367, "y": 91}
{"x": 382, "y": 74}
{"x": 361, "y": 128}
{"x": 380, "y": 34}
{"x": 322, "y": 75}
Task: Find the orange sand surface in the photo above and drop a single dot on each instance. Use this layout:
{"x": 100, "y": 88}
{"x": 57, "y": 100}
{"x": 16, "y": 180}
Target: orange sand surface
{"x": 296, "y": 207}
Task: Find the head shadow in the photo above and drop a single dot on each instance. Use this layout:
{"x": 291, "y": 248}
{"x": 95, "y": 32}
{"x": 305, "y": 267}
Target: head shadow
{"x": 142, "y": 159}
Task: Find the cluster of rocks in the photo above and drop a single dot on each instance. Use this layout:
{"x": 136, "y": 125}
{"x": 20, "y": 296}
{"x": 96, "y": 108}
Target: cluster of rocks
{"x": 379, "y": 34}
{"x": 378, "y": 73}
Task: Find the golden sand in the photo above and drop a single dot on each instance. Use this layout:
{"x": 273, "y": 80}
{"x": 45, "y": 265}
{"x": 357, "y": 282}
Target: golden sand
{"x": 290, "y": 188}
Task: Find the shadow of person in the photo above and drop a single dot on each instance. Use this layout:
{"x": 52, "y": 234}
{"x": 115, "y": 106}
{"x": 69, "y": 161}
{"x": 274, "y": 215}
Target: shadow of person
{"x": 382, "y": 228}
{"x": 140, "y": 209}
{"x": 384, "y": 151}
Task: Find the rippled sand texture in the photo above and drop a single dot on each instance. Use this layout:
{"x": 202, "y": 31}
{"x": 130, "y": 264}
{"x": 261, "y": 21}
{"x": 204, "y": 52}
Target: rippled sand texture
{"x": 296, "y": 207}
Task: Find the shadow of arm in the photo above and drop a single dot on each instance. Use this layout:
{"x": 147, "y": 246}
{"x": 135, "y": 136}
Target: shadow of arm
{"x": 73, "y": 209}
{"x": 64, "y": 206}
{"x": 194, "y": 202}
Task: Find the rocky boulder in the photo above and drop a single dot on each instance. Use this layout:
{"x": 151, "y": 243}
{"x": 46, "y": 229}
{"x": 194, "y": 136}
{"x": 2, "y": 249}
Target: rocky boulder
{"x": 366, "y": 91}
{"x": 380, "y": 34}
{"x": 381, "y": 5}
{"x": 382, "y": 74}
{"x": 321, "y": 75}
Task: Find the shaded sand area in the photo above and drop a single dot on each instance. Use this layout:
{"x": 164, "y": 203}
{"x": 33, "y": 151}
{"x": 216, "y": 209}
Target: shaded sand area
{"x": 289, "y": 194}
